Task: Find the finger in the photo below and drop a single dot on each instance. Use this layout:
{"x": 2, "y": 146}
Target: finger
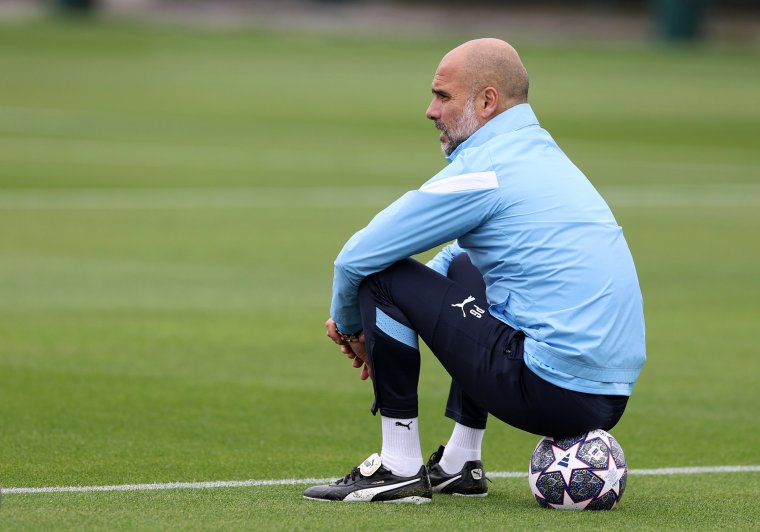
{"x": 359, "y": 351}
{"x": 346, "y": 350}
{"x": 365, "y": 373}
{"x": 331, "y": 331}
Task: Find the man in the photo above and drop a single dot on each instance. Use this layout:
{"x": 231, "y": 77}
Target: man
{"x": 534, "y": 310}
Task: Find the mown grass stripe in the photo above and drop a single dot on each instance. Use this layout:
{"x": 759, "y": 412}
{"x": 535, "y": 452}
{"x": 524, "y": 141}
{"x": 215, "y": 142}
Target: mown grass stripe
{"x": 299, "y": 481}
{"x": 652, "y": 195}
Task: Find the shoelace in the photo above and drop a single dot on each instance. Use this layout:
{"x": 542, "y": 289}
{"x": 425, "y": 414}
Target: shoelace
{"x": 435, "y": 458}
{"x": 351, "y": 475}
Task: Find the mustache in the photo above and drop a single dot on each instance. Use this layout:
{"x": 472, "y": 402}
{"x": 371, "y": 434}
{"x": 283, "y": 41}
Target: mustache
{"x": 440, "y": 126}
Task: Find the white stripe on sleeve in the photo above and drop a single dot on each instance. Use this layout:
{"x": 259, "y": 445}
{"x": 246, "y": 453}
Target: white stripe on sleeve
{"x": 462, "y": 182}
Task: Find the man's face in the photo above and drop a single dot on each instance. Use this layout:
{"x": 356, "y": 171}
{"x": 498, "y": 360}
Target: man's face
{"x": 452, "y": 109}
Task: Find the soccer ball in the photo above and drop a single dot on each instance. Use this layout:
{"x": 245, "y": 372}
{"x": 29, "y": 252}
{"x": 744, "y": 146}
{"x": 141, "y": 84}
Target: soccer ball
{"x": 586, "y": 472}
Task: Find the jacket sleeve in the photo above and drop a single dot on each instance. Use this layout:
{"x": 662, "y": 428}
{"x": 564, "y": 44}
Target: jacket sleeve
{"x": 416, "y": 222}
{"x": 443, "y": 258}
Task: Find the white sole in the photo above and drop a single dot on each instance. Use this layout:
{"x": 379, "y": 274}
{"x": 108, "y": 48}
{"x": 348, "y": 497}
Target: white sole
{"x": 406, "y": 500}
{"x": 411, "y": 500}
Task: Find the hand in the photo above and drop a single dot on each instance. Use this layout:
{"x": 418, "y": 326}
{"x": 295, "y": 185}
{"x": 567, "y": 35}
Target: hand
{"x": 361, "y": 359}
{"x": 356, "y": 351}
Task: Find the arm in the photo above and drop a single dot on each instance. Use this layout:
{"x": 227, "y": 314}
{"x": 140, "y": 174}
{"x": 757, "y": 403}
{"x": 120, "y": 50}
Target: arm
{"x": 442, "y": 260}
{"x": 442, "y": 210}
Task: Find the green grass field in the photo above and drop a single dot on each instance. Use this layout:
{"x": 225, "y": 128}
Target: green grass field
{"x": 170, "y": 204}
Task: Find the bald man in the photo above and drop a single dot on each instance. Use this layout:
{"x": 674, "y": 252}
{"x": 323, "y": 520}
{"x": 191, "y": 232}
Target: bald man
{"x": 534, "y": 307}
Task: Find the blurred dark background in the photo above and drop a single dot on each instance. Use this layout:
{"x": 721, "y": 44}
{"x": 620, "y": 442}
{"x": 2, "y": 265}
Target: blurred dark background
{"x": 666, "y": 20}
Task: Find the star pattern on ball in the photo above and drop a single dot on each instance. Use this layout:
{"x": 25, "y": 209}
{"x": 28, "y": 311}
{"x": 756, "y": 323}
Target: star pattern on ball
{"x": 533, "y": 477}
{"x": 611, "y": 476}
{"x": 566, "y": 461}
{"x": 570, "y": 504}
{"x": 601, "y": 435}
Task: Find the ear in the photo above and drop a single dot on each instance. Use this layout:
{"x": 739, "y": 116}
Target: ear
{"x": 489, "y": 103}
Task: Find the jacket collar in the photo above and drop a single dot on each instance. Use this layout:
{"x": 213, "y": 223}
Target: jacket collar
{"x": 512, "y": 119}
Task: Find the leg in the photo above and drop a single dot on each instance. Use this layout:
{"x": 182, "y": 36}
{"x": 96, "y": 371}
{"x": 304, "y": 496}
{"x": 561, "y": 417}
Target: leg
{"x": 465, "y": 443}
{"x": 392, "y": 333}
{"x": 483, "y": 355}
{"x": 460, "y": 406}
{"x": 408, "y": 299}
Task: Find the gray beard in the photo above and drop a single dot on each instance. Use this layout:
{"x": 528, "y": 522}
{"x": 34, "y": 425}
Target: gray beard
{"x": 461, "y": 130}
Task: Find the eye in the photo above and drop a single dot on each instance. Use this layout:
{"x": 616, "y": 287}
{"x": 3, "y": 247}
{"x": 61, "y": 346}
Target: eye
{"x": 442, "y": 96}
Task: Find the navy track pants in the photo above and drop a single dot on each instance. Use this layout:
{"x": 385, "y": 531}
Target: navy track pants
{"x": 483, "y": 355}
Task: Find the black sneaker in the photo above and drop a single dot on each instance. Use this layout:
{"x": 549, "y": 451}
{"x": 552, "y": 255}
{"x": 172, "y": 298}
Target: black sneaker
{"x": 371, "y": 482}
{"x": 469, "y": 482}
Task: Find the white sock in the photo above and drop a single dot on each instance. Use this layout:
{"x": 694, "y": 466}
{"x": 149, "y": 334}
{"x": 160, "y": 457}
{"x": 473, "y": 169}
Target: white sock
{"x": 401, "y": 446}
{"x": 464, "y": 445}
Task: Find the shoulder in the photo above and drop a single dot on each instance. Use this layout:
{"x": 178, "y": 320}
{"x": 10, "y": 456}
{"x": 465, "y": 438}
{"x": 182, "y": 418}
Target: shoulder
{"x": 473, "y": 169}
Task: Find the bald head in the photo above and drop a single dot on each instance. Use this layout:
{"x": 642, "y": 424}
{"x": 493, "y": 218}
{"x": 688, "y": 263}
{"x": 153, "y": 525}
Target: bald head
{"x": 490, "y": 63}
{"x": 474, "y": 83}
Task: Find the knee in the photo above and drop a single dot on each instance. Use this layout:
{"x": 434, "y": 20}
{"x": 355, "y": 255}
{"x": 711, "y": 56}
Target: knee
{"x": 461, "y": 260}
{"x": 381, "y": 281}
{"x": 461, "y": 270}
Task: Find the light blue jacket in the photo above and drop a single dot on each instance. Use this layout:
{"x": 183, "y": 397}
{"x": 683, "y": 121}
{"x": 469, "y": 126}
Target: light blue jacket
{"x": 554, "y": 260}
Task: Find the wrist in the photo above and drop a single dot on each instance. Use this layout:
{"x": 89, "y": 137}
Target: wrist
{"x": 350, "y": 338}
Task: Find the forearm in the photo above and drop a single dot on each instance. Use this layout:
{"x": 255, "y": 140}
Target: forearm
{"x": 442, "y": 260}
{"x": 416, "y": 222}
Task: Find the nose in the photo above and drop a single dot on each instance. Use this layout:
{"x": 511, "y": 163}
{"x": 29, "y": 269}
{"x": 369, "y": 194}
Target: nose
{"x": 433, "y": 111}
